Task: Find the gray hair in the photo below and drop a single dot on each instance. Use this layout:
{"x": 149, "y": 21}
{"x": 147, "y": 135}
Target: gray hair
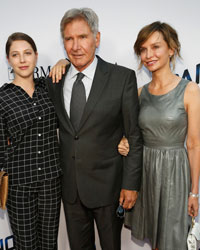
{"x": 86, "y": 14}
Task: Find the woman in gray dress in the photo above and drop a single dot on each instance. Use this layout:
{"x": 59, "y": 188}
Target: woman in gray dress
{"x": 169, "y": 113}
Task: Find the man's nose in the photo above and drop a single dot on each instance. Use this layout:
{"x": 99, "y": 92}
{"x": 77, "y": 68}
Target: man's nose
{"x": 76, "y": 44}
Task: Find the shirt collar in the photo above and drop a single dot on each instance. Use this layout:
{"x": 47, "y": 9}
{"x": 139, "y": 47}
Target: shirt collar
{"x": 88, "y": 72}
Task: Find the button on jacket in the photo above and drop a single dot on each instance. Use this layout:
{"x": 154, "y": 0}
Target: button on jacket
{"x": 28, "y": 135}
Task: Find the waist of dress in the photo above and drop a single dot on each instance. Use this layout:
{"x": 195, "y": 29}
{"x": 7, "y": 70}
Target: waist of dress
{"x": 162, "y": 146}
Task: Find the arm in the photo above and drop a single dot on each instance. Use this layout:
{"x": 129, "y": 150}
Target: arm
{"x": 123, "y": 147}
{"x": 192, "y": 105}
{"x": 133, "y": 162}
{"x": 58, "y": 70}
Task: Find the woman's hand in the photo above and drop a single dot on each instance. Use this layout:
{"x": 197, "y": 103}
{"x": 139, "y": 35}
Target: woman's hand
{"x": 123, "y": 147}
{"x": 58, "y": 70}
{"x": 193, "y": 206}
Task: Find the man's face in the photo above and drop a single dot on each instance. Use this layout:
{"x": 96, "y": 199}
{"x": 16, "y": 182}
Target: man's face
{"x": 80, "y": 43}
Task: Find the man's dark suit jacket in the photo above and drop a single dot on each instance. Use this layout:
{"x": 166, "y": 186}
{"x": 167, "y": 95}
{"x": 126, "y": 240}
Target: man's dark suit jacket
{"x": 90, "y": 160}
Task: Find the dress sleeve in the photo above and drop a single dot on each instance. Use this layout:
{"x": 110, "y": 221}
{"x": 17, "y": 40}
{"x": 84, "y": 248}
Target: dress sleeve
{"x": 3, "y": 141}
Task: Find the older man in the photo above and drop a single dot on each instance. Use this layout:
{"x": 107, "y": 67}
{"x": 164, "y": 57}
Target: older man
{"x": 96, "y": 103}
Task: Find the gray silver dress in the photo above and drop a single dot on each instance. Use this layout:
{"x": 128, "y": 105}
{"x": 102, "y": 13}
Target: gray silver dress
{"x": 160, "y": 213}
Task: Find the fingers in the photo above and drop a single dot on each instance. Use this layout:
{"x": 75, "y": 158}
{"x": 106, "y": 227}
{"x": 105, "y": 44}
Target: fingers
{"x": 52, "y": 74}
{"x": 56, "y": 73}
{"x": 193, "y": 212}
{"x": 128, "y": 203}
{"x": 63, "y": 69}
{"x": 126, "y": 144}
{"x": 193, "y": 206}
{"x": 129, "y": 198}
{"x": 124, "y": 139}
{"x": 121, "y": 198}
{"x": 123, "y": 147}
{"x": 59, "y": 71}
{"x": 122, "y": 151}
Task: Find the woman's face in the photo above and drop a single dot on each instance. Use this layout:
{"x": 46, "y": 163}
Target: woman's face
{"x": 22, "y": 58}
{"x": 155, "y": 53}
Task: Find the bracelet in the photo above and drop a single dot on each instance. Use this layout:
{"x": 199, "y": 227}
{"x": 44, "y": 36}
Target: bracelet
{"x": 194, "y": 195}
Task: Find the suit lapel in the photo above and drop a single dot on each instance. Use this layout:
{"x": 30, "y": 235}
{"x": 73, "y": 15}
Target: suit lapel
{"x": 99, "y": 82}
{"x": 62, "y": 102}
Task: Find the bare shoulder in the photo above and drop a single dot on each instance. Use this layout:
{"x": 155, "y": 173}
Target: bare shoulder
{"x": 192, "y": 93}
{"x": 192, "y": 88}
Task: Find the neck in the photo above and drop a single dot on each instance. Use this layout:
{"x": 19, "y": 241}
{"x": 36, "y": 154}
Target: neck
{"x": 25, "y": 83}
{"x": 162, "y": 78}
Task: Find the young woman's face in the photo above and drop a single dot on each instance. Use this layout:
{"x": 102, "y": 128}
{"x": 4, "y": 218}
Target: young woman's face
{"x": 155, "y": 53}
{"x": 22, "y": 58}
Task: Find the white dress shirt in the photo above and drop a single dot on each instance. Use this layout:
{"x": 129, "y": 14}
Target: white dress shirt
{"x": 71, "y": 78}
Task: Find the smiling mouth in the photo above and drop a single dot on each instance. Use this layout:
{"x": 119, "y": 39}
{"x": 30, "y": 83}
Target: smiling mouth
{"x": 151, "y": 63}
{"x": 23, "y": 67}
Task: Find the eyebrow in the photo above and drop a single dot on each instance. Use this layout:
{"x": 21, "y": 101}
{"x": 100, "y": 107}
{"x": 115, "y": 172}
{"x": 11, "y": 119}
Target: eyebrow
{"x": 156, "y": 42}
{"x": 151, "y": 44}
{"x": 82, "y": 34}
{"x": 18, "y": 50}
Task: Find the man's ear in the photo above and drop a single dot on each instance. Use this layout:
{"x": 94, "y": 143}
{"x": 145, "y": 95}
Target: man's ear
{"x": 98, "y": 35}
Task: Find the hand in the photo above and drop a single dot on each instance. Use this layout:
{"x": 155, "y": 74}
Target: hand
{"x": 58, "y": 70}
{"x": 123, "y": 147}
{"x": 128, "y": 198}
{"x": 193, "y": 206}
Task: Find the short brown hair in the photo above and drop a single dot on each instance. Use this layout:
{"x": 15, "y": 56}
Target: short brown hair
{"x": 17, "y": 36}
{"x": 169, "y": 35}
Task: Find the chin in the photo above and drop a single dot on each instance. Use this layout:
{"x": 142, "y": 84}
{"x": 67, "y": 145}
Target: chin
{"x": 152, "y": 68}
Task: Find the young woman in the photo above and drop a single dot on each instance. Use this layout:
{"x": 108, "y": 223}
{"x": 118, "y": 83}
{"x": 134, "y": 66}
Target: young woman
{"x": 169, "y": 114}
{"x": 29, "y": 151}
